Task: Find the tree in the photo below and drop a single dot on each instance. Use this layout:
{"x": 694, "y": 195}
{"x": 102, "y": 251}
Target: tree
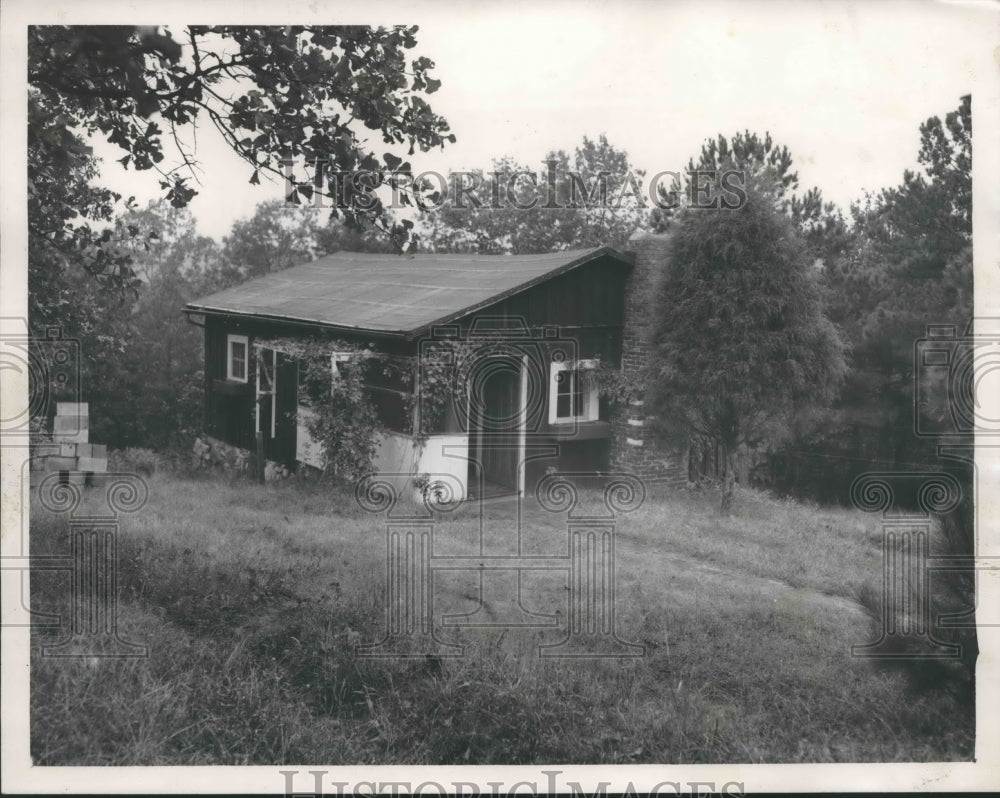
{"x": 279, "y": 236}
{"x": 759, "y": 158}
{"x": 276, "y": 237}
{"x": 142, "y": 360}
{"x": 161, "y": 239}
{"x": 909, "y": 265}
{"x": 912, "y": 267}
{"x": 589, "y": 200}
{"x": 63, "y": 205}
{"x": 283, "y": 98}
{"x": 740, "y": 337}
{"x": 917, "y": 228}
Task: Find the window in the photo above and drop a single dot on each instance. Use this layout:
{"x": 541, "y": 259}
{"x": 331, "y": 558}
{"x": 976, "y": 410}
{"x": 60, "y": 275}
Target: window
{"x": 569, "y": 394}
{"x": 266, "y": 406}
{"x": 573, "y": 393}
{"x": 237, "y": 349}
{"x": 340, "y": 364}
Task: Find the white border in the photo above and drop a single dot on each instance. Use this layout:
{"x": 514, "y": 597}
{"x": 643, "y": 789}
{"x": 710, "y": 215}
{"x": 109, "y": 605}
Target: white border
{"x": 982, "y": 55}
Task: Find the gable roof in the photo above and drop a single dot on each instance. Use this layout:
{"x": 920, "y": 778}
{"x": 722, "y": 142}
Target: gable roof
{"x": 392, "y": 294}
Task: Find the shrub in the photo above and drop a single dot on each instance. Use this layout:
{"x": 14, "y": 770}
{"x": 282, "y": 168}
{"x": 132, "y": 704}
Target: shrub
{"x": 952, "y": 594}
{"x": 138, "y": 460}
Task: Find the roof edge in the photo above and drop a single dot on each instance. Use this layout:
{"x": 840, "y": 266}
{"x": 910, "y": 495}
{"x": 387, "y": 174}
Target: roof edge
{"x": 625, "y": 258}
{"x": 628, "y": 259}
{"x": 190, "y": 309}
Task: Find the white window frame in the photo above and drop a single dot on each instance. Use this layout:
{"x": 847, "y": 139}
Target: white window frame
{"x": 261, "y": 391}
{"x": 237, "y": 339}
{"x": 335, "y": 359}
{"x": 591, "y": 399}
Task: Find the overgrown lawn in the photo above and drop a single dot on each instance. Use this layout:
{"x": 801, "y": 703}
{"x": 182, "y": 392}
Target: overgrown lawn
{"x": 252, "y": 599}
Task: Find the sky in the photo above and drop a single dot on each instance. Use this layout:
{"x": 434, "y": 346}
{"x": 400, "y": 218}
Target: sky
{"x": 843, "y": 85}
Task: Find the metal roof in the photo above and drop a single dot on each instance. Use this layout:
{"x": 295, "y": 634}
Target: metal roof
{"x": 396, "y": 294}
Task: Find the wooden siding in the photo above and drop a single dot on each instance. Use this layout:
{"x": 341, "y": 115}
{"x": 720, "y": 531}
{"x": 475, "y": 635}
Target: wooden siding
{"x": 580, "y": 312}
{"x": 229, "y": 406}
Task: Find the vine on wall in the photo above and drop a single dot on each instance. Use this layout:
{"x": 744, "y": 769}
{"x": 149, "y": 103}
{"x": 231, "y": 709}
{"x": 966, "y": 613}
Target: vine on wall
{"x": 442, "y": 362}
{"x": 344, "y": 420}
{"x": 611, "y": 382}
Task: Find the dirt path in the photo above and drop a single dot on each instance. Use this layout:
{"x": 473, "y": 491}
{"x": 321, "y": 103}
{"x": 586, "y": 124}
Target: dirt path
{"x": 631, "y": 546}
{"x": 638, "y": 549}
{"x": 630, "y": 549}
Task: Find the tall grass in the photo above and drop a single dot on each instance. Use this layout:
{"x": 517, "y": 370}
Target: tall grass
{"x": 252, "y": 598}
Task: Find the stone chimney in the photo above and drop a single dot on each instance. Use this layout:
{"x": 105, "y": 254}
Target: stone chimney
{"x": 633, "y": 448}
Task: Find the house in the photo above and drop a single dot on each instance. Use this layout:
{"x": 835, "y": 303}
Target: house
{"x": 529, "y": 403}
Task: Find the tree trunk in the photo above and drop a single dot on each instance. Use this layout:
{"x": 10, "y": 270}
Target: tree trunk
{"x": 729, "y": 479}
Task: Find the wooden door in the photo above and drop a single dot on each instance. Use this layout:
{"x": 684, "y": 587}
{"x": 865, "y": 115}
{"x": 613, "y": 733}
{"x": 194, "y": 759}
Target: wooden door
{"x": 497, "y": 418}
{"x": 264, "y": 397}
{"x": 286, "y": 408}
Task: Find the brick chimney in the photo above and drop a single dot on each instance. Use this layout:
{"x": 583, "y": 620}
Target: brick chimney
{"x": 633, "y": 448}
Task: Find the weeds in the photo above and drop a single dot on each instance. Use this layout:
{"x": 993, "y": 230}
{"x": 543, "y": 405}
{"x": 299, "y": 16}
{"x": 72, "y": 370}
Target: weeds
{"x": 952, "y": 598}
{"x": 253, "y": 598}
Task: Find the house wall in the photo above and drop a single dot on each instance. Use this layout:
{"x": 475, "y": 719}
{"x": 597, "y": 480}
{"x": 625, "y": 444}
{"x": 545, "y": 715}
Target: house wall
{"x": 634, "y": 448}
{"x": 229, "y": 406}
{"x": 581, "y": 313}
{"x": 399, "y": 458}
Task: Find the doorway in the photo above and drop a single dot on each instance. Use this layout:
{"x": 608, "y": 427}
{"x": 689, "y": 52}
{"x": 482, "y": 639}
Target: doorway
{"x": 496, "y": 419}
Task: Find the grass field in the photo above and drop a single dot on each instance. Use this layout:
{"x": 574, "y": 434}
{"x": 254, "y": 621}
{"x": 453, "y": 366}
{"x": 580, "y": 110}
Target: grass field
{"x": 252, "y": 598}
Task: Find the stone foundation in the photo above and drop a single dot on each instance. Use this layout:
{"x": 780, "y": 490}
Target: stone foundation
{"x": 213, "y": 453}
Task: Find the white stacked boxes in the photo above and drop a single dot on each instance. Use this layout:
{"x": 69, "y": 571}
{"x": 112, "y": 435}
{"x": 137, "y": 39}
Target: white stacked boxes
{"x": 72, "y": 423}
{"x": 70, "y": 453}
{"x": 92, "y": 458}
{"x": 72, "y": 409}
{"x": 41, "y": 452}
{"x": 57, "y": 463}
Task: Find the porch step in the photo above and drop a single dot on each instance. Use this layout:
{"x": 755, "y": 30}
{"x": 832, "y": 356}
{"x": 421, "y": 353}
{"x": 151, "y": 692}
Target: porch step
{"x": 491, "y": 490}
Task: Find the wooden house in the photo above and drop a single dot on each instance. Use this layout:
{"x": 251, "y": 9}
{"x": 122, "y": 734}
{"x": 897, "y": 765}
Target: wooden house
{"x": 529, "y": 406}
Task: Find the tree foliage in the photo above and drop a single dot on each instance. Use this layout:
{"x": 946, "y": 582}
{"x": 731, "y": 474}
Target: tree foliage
{"x": 740, "y": 336}
{"x": 909, "y": 265}
{"x": 283, "y": 98}
{"x": 587, "y": 200}
{"x": 65, "y": 214}
{"x": 279, "y": 236}
{"x": 342, "y": 418}
{"x": 759, "y": 159}
{"x": 146, "y": 388}
{"x": 917, "y": 228}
